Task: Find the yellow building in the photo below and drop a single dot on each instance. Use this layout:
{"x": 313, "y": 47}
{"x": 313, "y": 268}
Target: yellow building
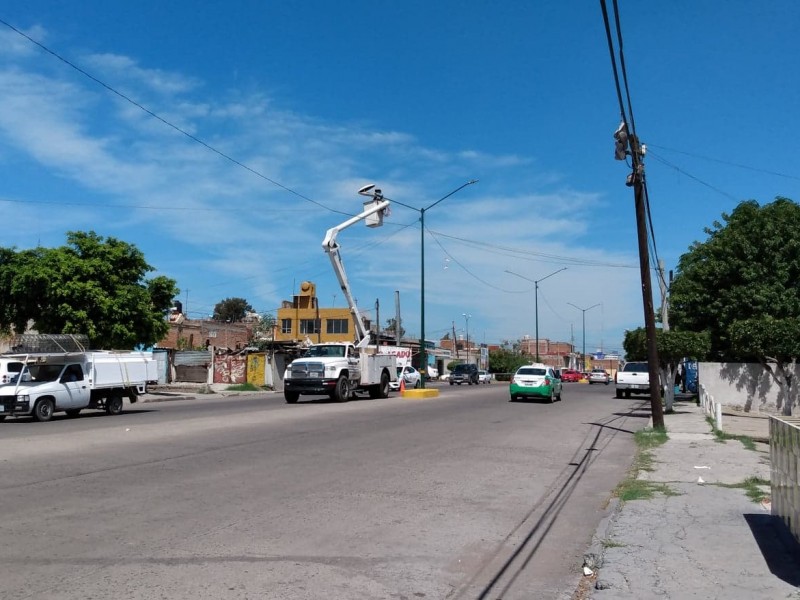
{"x": 302, "y": 319}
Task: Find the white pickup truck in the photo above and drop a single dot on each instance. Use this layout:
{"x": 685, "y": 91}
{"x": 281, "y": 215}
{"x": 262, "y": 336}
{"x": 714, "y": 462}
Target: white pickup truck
{"x": 71, "y": 382}
{"x": 339, "y": 370}
{"x": 633, "y": 378}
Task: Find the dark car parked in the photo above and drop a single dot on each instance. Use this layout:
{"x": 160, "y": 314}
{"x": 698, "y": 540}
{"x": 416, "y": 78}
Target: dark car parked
{"x": 464, "y": 374}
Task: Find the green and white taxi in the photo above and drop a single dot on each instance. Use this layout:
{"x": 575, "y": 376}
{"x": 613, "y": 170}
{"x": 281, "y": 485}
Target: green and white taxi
{"x": 535, "y": 381}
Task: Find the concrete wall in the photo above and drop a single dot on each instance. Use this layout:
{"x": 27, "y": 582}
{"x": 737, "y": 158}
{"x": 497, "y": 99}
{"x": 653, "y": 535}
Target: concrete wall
{"x": 784, "y": 454}
{"x": 743, "y": 386}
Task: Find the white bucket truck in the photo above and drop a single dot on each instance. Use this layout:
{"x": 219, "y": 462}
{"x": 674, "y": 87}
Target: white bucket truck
{"x": 72, "y": 381}
{"x": 341, "y": 369}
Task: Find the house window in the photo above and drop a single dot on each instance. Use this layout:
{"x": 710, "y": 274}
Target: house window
{"x": 337, "y": 325}
{"x": 309, "y": 326}
{"x": 286, "y": 326}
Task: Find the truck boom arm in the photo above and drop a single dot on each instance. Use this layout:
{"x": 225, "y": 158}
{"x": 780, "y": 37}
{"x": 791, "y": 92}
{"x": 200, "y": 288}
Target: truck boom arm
{"x": 377, "y": 207}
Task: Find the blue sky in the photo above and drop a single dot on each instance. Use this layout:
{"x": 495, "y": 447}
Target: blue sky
{"x": 317, "y": 99}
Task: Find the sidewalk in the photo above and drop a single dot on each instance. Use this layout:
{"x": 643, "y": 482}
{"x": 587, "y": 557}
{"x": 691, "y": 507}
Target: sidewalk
{"x": 190, "y": 391}
{"x": 706, "y": 541}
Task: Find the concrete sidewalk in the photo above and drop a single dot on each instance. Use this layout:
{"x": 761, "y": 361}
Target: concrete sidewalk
{"x": 706, "y": 541}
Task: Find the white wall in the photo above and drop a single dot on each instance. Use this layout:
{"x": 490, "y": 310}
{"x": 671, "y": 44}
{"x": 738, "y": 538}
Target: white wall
{"x": 744, "y": 386}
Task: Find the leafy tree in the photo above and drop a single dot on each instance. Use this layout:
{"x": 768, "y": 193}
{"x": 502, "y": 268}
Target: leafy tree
{"x": 92, "y": 285}
{"x": 741, "y": 286}
{"x": 231, "y": 309}
{"x": 263, "y": 331}
{"x": 391, "y": 328}
{"x": 673, "y": 346}
{"x": 506, "y": 361}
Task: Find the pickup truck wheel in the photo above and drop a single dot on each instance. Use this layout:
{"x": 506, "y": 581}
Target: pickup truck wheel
{"x": 291, "y": 397}
{"x": 43, "y": 410}
{"x": 114, "y": 405}
{"x": 619, "y": 394}
{"x": 73, "y": 412}
{"x": 341, "y": 391}
{"x": 627, "y": 393}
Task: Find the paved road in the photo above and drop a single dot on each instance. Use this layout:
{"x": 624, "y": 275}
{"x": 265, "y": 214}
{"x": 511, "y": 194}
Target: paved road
{"x": 462, "y": 496}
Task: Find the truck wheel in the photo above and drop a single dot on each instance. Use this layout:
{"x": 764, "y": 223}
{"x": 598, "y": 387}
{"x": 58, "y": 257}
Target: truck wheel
{"x": 342, "y": 390}
{"x": 627, "y": 394}
{"x": 114, "y": 405}
{"x": 73, "y": 412}
{"x": 291, "y": 397}
{"x": 43, "y": 410}
{"x": 380, "y": 390}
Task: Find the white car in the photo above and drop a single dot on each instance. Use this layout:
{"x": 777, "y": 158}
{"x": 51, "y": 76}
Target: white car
{"x": 484, "y": 377}
{"x": 409, "y": 374}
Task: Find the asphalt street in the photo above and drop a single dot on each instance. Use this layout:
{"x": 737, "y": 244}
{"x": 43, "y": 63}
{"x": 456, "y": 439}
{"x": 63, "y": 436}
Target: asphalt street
{"x": 462, "y": 496}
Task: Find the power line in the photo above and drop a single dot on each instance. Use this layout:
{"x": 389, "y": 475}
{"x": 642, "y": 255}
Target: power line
{"x": 725, "y": 162}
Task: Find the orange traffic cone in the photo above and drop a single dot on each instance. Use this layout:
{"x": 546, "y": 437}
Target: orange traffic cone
{"x": 402, "y": 385}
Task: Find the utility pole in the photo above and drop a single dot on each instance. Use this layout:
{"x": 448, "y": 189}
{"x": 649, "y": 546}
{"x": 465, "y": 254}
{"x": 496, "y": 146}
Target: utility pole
{"x": 636, "y": 180}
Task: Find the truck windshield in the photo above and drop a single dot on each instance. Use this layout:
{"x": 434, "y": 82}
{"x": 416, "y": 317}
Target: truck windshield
{"x": 335, "y": 351}
{"x": 45, "y": 372}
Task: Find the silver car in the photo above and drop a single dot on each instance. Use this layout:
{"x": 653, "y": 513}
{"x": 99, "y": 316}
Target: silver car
{"x": 599, "y": 376}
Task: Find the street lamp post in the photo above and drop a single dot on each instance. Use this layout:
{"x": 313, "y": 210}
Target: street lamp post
{"x": 583, "y": 310}
{"x": 466, "y": 318}
{"x": 535, "y": 283}
{"x": 423, "y": 362}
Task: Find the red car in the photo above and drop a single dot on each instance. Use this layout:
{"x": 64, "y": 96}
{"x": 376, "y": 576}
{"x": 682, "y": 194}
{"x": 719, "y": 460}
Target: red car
{"x": 570, "y": 375}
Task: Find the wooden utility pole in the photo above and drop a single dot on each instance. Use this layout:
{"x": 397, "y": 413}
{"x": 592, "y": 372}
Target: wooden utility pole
{"x": 636, "y": 179}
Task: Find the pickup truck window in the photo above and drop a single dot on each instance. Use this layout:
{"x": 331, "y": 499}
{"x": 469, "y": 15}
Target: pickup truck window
{"x": 72, "y": 373}
{"x": 635, "y": 367}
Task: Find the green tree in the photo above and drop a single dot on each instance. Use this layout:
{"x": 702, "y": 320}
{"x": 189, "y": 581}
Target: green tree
{"x": 741, "y": 286}
{"x": 92, "y": 285}
{"x": 231, "y": 309}
{"x": 506, "y": 361}
{"x": 262, "y": 334}
{"x": 673, "y": 346}
{"x": 391, "y": 328}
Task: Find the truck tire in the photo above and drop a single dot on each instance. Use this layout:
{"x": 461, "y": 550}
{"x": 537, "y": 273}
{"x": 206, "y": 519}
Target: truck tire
{"x": 291, "y": 397}
{"x": 73, "y": 412}
{"x": 619, "y": 394}
{"x": 380, "y": 390}
{"x": 342, "y": 390}
{"x": 43, "y": 410}
{"x": 114, "y": 405}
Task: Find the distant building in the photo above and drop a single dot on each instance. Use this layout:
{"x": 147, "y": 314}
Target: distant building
{"x": 302, "y": 319}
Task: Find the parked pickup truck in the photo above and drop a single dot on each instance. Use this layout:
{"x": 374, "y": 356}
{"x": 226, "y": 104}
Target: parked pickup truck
{"x": 43, "y": 384}
{"x": 634, "y": 378}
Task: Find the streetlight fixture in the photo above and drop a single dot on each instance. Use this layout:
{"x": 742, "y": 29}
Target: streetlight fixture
{"x": 583, "y": 310}
{"x": 466, "y": 318}
{"x": 535, "y": 283}
{"x": 423, "y": 362}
